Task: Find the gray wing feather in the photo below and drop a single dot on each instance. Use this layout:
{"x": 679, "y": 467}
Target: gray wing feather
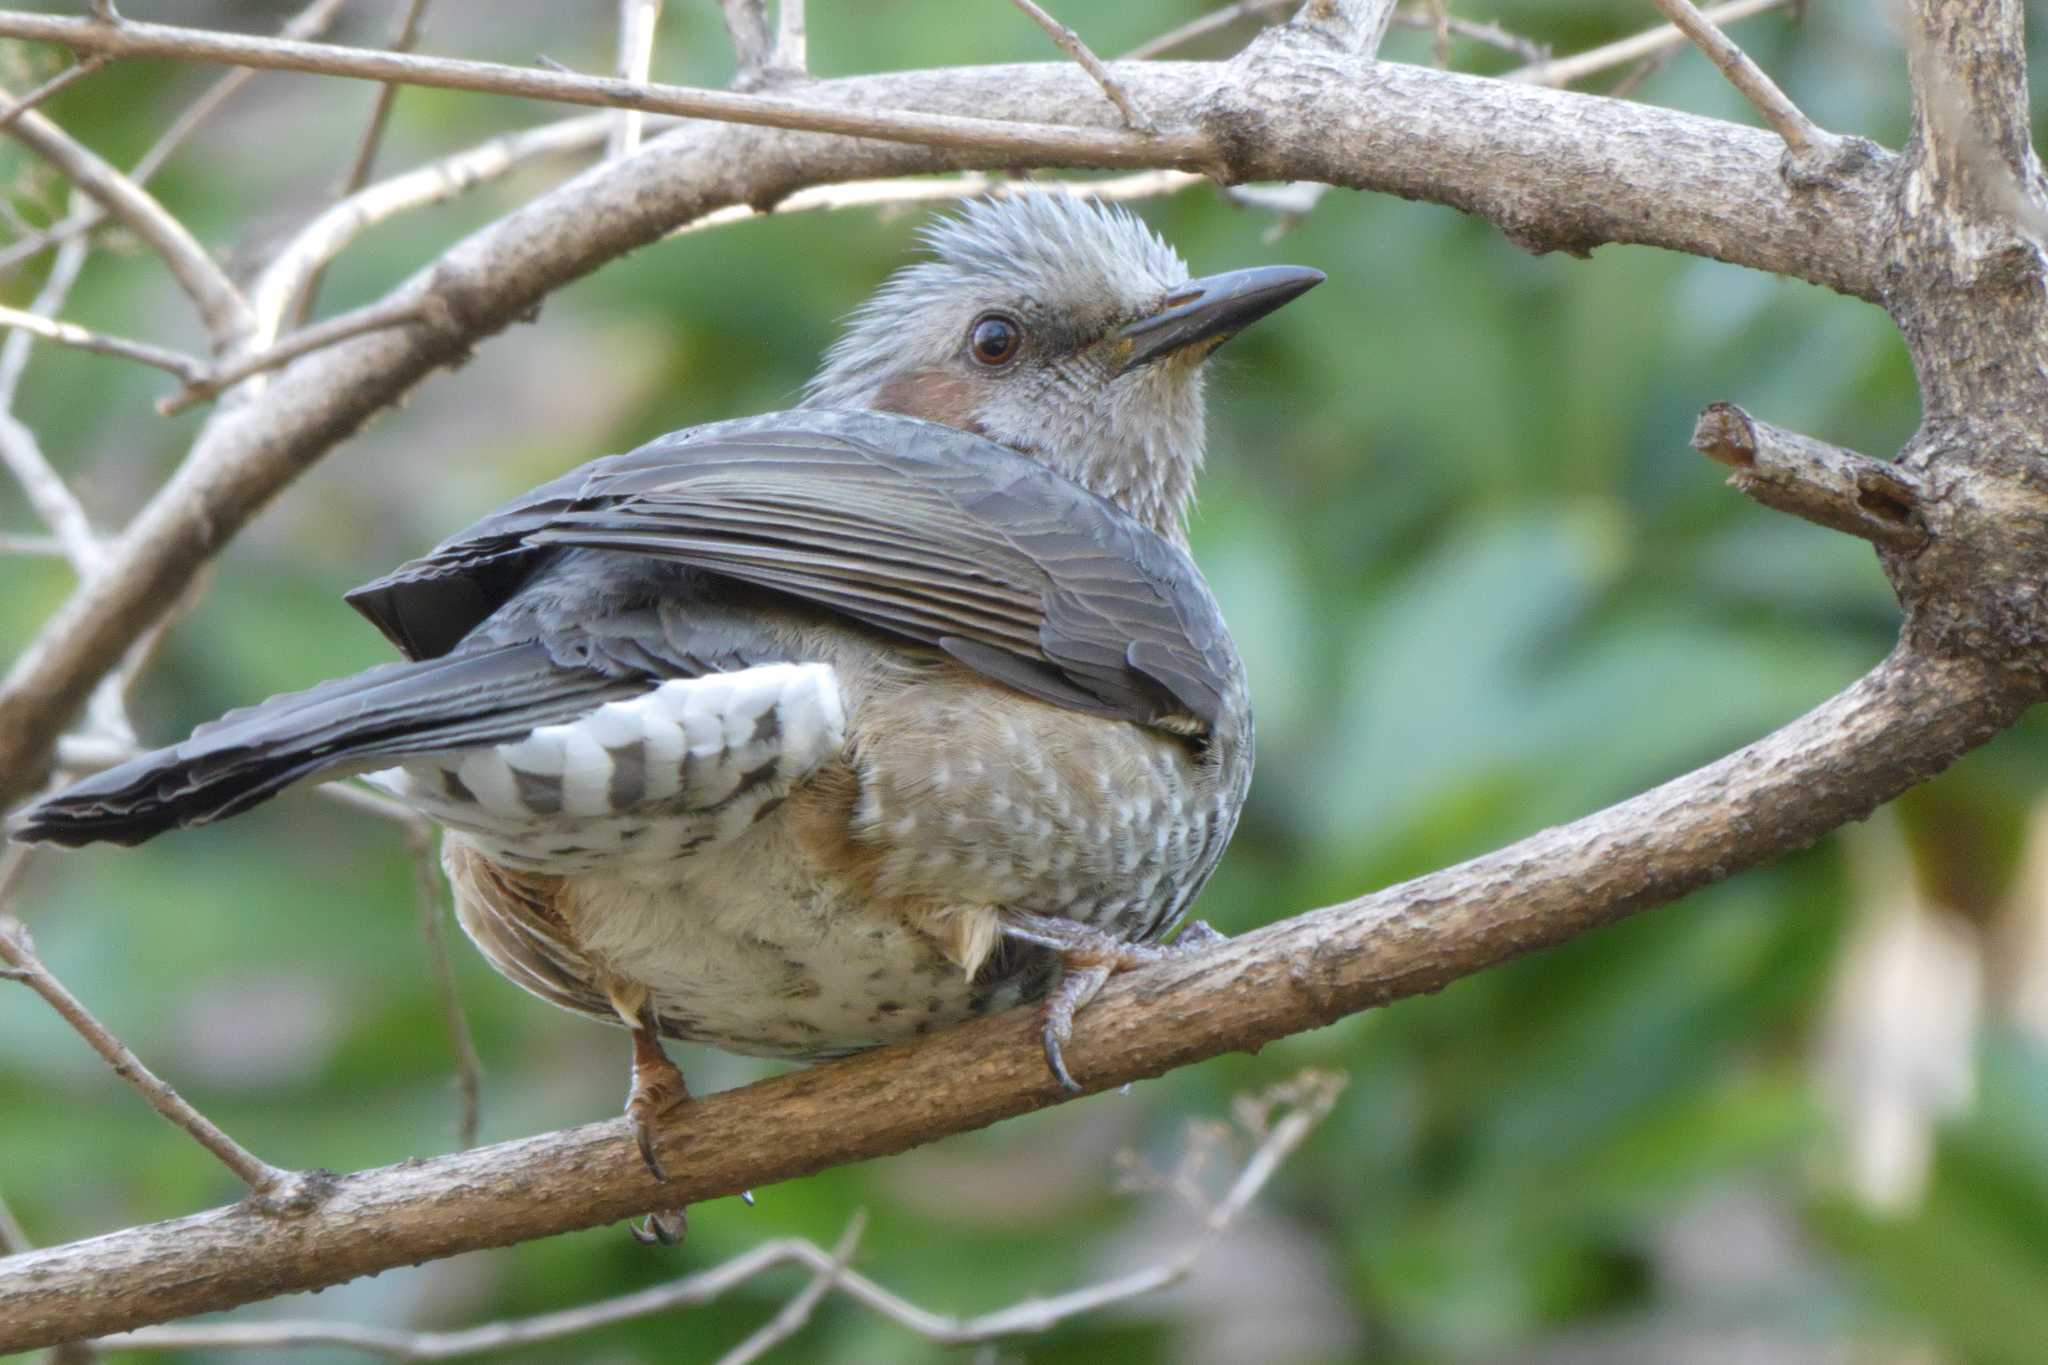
{"x": 913, "y": 528}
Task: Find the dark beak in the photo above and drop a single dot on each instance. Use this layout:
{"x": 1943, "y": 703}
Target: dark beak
{"x": 1212, "y": 310}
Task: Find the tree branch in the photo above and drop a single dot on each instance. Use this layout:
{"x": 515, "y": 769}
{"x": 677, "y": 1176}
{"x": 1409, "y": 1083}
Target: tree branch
{"x": 1563, "y": 71}
{"x": 219, "y": 303}
{"x": 1069, "y": 42}
{"x": 1907, "y": 719}
{"x": 1803, "y": 137}
{"x": 71, "y": 334}
{"x": 1827, "y": 485}
{"x": 260, "y": 1176}
{"x": 75, "y": 72}
{"x": 1091, "y": 146}
{"x": 637, "y": 21}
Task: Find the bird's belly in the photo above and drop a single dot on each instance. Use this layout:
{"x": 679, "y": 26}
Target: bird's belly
{"x": 771, "y": 966}
{"x": 746, "y": 948}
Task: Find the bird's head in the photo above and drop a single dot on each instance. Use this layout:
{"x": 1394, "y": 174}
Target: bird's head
{"x": 1064, "y": 329}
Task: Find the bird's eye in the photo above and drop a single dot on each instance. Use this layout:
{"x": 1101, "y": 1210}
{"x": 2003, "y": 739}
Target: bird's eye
{"x": 994, "y": 339}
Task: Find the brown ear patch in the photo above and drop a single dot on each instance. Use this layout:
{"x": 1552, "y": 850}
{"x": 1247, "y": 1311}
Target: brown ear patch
{"x": 935, "y": 395}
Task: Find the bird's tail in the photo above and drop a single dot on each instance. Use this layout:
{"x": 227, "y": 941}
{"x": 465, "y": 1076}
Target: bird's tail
{"x": 349, "y": 725}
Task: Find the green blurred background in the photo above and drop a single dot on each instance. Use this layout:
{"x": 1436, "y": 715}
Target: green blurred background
{"x": 1482, "y": 586}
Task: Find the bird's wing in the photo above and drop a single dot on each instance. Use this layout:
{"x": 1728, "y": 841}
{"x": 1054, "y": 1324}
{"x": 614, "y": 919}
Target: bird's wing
{"x": 920, "y": 530}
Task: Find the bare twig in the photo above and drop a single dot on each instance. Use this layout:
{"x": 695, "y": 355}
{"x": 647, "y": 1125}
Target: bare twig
{"x": 1824, "y": 484}
{"x": 219, "y": 303}
{"x": 71, "y": 334}
{"x": 793, "y": 1316}
{"x": 17, "y": 952}
{"x": 41, "y": 546}
{"x": 942, "y": 189}
{"x": 12, "y": 1238}
{"x": 427, "y": 884}
{"x": 321, "y": 240}
{"x": 365, "y": 159}
{"x": 74, "y": 72}
{"x": 1096, "y": 146}
{"x": 308, "y": 23}
{"x": 792, "y": 40}
{"x": 1633, "y": 78}
{"x": 1277, "y": 1123}
{"x": 1437, "y": 18}
{"x": 1265, "y": 11}
{"x": 746, "y": 25}
{"x": 47, "y": 492}
{"x": 637, "y": 22}
{"x": 204, "y": 383}
{"x": 1802, "y": 135}
{"x": 1069, "y": 42}
{"x": 1563, "y": 71}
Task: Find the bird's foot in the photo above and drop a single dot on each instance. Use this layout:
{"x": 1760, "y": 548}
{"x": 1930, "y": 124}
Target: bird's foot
{"x": 1088, "y": 959}
{"x": 657, "y": 1088}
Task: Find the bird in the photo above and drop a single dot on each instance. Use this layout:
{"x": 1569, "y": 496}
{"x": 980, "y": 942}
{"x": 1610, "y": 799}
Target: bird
{"x": 807, "y": 732}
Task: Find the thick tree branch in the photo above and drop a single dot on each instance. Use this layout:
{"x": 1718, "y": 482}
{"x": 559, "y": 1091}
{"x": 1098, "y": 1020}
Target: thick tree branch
{"x": 1906, "y": 720}
{"x": 1554, "y": 169}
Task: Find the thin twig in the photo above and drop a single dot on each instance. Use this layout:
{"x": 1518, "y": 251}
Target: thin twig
{"x": 1634, "y": 77}
{"x": 1801, "y": 134}
{"x": 40, "y": 546}
{"x": 74, "y": 72}
{"x": 637, "y": 22}
{"x": 792, "y": 54}
{"x": 1265, "y": 11}
{"x": 220, "y": 304}
{"x": 993, "y": 137}
{"x": 404, "y": 40}
{"x": 84, "y": 339}
{"x": 373, "y": 317}
{"x": 46, "y": 490}
{"x": 1562, "y": 71}
{"x": 793, "y": 1315}
{"x": 310, "y": 22}
{"x": 468, "y": 1067}
{"x": 746, "y": 26}
{"x": 321, "y": 240}
{"x": 1436, "y": 18}
{"x": 12, "y": 1238}
{"x": 1300, "y": 1105}
{"x": 18, "y": 952}
{"x": 1069, "y": 42}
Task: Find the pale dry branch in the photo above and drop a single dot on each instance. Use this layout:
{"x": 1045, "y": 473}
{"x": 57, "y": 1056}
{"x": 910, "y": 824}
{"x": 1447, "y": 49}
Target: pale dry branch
{"x": 793, "y": 1316}
{"x": 461, "y": 1042}
{"x": 264, "y": 1180}
{"x": 1086, "y": 145}
{"x": 1824, "y": 484}
{"x": 746, "y": 26}
{"x": 1300, "y": 1105}
{"x": 1069, "y": 42}
{"x": 637, "y": 22}
{"x": 47, "y": 547}
{"x": 1437, "y": 18}
{"x": 1265, "y": 11}
{"x": 204, "y": 382}
{"x": 84, "y": 339}
{"x": 329, "y": 234}
{"x": 792, "y": 39}
{"x": 308, "y": 23}
{"x": 1803, "y": 137}
{"x": 945, "y": 189}
{"x": 77, "y": 71}
{"x": 1559, "y": 72}
{"x": 220, "y": 304}
{"x": 53, "y": 501}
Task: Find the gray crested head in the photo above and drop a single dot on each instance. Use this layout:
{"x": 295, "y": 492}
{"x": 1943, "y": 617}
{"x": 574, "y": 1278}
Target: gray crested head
{"x": 1060, "y": 327}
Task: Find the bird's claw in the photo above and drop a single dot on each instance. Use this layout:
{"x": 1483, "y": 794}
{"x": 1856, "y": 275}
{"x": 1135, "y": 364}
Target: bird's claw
{"x": 1055, "y": 1038}
{"x": 666, "y": 1228}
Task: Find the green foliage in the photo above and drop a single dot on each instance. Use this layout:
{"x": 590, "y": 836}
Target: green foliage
{"x": 1482, "y": 584}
